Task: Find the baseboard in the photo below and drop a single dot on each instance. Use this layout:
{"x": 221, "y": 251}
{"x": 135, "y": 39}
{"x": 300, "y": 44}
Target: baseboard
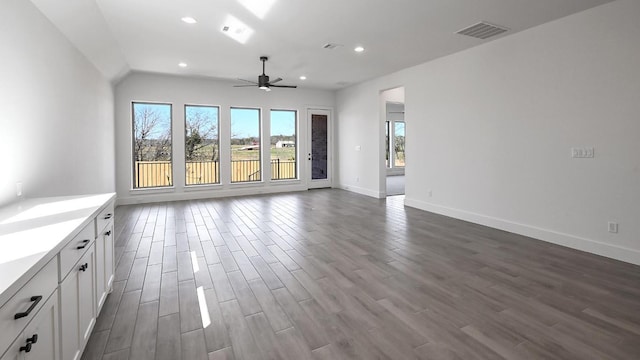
{"x": 575, "y": 242}
{"x": 363, "y": 191}
{"x": 204, "y": 194}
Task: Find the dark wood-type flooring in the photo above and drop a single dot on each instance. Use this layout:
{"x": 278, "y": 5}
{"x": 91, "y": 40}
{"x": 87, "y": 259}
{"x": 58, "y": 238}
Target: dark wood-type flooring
{"x": 328, "y": 274}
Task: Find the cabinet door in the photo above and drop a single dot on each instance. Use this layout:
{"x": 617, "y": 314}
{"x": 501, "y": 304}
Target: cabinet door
{"x": 44, "y": 329}
{"x": 101, "y": 292}
{"x": 14, "y": 352}
{"x": 109, "y": 257}
{"x": 86, "y": 292}
{"x": 104, "y": 266}
{"x": 39, "y": 340}
{"x": 69, "y": 306}
{"x": 77, "y": 306}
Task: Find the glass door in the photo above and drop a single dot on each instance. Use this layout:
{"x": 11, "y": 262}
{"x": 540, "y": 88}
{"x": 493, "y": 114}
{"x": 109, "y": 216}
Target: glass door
{"x": 319, "y": 155}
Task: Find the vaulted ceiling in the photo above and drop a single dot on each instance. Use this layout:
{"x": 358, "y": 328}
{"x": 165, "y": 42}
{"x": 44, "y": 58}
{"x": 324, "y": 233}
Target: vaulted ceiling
{"x": 119, "y": 36}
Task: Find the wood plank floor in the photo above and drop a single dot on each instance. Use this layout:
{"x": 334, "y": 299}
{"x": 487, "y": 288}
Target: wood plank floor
{"x": 328, "y": 274}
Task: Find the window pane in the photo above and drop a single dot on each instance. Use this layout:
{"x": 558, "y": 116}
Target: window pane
{"x": 319, "y": 146}
{"x": 245, "y": 145}
{"x": 201, "y": 146}
{"x": 398, "y": 143}
{"x": 283, "y": 145}
{"x": 152, "y": 145}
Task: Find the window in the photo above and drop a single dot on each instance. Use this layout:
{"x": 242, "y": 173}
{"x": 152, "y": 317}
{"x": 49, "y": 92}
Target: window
{"x": 283, "y": 145}
{"x": 387, "y": 150}
{"x": 245, "y": 145}
{"x": 201, "y": 145}
{"x": 152, "y": 147}
{"x": 394, "y": 144}
{"x": 398, "y": 143}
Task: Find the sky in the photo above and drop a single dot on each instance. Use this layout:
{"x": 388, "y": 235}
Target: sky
{"x": 244, "y": 121}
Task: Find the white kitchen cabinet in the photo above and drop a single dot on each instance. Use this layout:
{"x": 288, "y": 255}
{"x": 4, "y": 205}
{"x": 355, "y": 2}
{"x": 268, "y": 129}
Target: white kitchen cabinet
{"x": 55, "y": 274}
{"x": 40, "y": 339}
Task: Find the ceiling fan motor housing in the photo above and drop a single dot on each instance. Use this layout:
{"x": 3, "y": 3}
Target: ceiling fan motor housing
{"x": 263, "y": 81}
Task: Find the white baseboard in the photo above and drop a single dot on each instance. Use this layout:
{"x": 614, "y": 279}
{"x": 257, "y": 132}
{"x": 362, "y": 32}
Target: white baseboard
{"x": 575, "y": 242}
{"x": 204, "y": 194}
{"x": 363, "y": 191}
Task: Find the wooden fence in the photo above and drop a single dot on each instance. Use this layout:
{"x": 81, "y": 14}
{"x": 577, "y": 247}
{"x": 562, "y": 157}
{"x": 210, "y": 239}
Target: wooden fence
{"x": 159, "y": 173}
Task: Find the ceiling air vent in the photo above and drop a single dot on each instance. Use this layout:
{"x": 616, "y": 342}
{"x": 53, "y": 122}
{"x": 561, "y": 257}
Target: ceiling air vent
{"x": 330, "y": 46}
{"x": 482, "y": 30}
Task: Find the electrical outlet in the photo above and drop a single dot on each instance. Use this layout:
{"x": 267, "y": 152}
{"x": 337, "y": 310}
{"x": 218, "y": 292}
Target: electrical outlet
{"x": 19, "y": 189}
{"x": 582, "y": 152}
{"x": 613, "y": 227}
{"x": 429, "y": 193}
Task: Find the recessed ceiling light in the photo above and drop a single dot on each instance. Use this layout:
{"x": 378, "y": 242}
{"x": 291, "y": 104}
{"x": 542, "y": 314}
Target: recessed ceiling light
{"x": 189, "y": 20}
{"x": 358, "y": 49}
{"x": 303, "y": 77}
{"x": 182, "y": 65}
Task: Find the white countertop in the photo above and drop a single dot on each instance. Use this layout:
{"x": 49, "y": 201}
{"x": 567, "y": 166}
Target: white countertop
{"x": 33, "y": 231}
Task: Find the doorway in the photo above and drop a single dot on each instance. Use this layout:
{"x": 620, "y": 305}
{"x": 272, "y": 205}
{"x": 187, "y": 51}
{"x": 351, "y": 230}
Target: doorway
{"x": 319, "y": 156}
{"x": 392, "y": 152}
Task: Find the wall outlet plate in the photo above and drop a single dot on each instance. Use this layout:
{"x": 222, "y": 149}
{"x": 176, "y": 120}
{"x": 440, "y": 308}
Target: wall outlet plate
{"x": 582, "y": 152}
{"x": 612, "y": 227}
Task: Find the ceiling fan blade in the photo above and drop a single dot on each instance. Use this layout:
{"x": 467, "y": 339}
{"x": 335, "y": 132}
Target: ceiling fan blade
{"x": 249, "y": 81}
{"x": 244, "y": 85}
{"x": 275, "y": 81}
{"x": 285, "y": 86}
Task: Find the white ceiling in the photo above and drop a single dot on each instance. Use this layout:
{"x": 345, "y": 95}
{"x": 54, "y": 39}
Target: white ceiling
{"x": 119, "y": 36}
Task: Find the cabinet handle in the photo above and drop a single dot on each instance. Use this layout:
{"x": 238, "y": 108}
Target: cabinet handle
{"x": 108, "y": 216}
{"x": 84, "y": 267}
{"x": 35, "y": 299}
{"x": 108, "y": 233}
{"x": 84, "y": 244}
{"x": 31, "y": 340}
{"x": 26, "y": 348}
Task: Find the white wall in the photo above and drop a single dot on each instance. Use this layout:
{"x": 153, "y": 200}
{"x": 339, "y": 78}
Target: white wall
{"x": 56, "y": 127}
{"x": 179, "y": 91}
{"x": 491, "y": 131}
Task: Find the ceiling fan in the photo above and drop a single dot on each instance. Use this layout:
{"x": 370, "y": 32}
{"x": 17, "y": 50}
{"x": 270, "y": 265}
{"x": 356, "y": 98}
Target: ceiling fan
{"x": 263, "y": 80}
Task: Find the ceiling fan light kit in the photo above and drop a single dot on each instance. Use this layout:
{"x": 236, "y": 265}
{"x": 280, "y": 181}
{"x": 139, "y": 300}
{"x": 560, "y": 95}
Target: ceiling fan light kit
{"x": 263, "y": 80}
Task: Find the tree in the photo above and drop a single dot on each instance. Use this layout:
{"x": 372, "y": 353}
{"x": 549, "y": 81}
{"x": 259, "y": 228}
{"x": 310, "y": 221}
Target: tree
{"x": 145, "y": 121}
{"x": 200, "y": 135}
{"x": 399, "y": 147}
{"x": 162, "y": 147}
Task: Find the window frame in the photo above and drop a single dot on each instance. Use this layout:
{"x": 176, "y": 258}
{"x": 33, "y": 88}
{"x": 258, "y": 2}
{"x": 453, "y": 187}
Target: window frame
{"x": 133, "y": 177}
{"x": 296, "y": 164}
{"x": 219, "y": 167}
{"x": 260, "y": 146}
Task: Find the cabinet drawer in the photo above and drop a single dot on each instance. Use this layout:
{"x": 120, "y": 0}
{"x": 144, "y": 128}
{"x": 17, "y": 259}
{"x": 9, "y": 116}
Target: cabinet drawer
{"x": 71, "y": 253}
{"x": 26, "y": 302}
{"x": 105, "y": 218}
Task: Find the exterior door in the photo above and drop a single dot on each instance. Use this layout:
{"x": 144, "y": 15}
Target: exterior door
{"x": 319, "y": 155}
